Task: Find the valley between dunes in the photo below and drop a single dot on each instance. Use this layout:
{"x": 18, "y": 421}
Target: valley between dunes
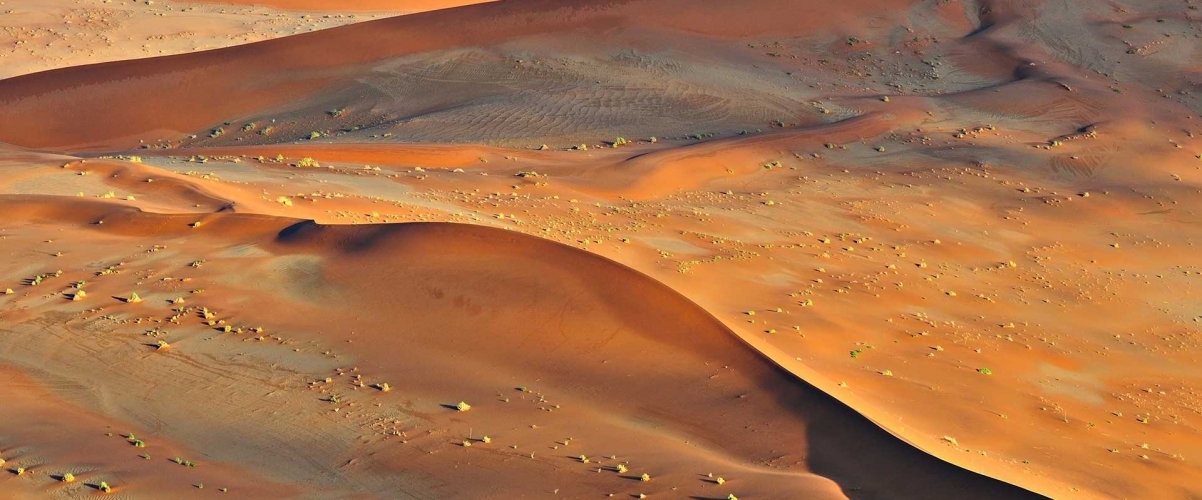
{"x": 889, "y": 249}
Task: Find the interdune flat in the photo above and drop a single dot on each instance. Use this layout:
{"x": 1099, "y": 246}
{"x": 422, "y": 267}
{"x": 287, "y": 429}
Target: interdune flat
{"x": 884, "y": 249}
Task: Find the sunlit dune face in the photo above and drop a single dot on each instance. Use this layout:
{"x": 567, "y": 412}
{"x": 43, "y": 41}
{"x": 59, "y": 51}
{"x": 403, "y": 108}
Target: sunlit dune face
{"x": 639, "y": 249}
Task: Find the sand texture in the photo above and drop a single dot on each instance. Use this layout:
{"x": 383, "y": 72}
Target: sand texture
{"x": 703, "y": 249}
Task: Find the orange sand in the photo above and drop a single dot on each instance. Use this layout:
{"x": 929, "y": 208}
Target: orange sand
{"x": 890, "y": 250}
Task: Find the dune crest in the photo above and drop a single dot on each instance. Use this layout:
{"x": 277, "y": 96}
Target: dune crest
{"x": 709, "y": 249}
{"x": 466, "y": 295}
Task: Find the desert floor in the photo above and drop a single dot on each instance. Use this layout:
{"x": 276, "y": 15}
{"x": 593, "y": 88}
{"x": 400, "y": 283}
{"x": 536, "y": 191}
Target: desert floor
{"x": 889, "y": 249}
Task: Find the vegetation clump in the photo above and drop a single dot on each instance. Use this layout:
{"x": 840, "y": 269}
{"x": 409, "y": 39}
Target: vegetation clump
{"x": 462, "y": 406}
{"x": 68, "y": 477}
{"x": 307, "y": 162}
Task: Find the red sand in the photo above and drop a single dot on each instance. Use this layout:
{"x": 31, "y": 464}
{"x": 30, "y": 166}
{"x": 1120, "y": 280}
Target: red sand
{"x": 402, "y": 6}
{"x": 889, "y": 250}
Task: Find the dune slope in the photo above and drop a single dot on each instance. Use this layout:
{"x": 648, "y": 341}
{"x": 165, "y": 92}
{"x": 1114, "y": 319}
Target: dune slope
{"x": 641, "y": 372}
{"x": 972, "y": 222}
{"x": 513, "y": 71}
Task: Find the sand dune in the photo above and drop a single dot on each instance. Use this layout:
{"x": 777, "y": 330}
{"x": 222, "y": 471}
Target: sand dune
{"x": 427, "y": 75}
{"x": 767, "y": 249}
{"x": 632, "y": 362}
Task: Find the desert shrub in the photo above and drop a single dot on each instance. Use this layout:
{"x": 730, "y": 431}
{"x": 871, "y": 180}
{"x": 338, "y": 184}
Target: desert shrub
{"x": 307, "y": 162}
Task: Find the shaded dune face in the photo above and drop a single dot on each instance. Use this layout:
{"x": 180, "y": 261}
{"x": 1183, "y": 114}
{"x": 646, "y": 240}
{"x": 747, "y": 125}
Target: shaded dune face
{"x": 613, "y": 339}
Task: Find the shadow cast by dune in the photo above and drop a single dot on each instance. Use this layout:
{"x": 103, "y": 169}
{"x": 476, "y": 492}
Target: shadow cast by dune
{"x": 499, "y": 268}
